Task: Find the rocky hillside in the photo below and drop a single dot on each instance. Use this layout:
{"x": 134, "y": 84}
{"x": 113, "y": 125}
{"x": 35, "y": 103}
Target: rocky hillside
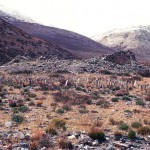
{"x": 77, "y": 44}
{"x": 14, "y": 42}
{"x": 136, "y": 39}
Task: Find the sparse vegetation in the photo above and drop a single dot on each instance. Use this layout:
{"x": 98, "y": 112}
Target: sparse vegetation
{"x": 96, "y": 134}
{"x": 145, "y": 130}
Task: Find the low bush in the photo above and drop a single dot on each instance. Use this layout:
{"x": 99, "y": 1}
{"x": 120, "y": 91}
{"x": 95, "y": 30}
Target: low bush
{"x": 51, "y": 130}
{"x": 23, "y": 109}
{"x": 96, "y": 134}
{"x": 140, "y": 102}
{"x": 136, "y": 124}
{"x": 126, "y": 98}
{"x": 65, "y": 144}
{"x": 147, "y": 98}
{"x": 131, "y": 134}
{"x": 60, "y": 111}
{"x": 145, "y": 130}
{"x": 17, "y": 118}
{"x": 121, "y": 93}
{"x": 66, "y": 107}
{"x": 123, "y": 126}
{"x": 83, "y": 111}
{"x": 146, "y": 122}
{"x": 115, "y": 99}
{"x": 72, "y": 97}
{"x": 58, "y": 123}
{"x": 103, "y": 103}
{"x": 118, "y": 134}
{"x": 113, "y": 122}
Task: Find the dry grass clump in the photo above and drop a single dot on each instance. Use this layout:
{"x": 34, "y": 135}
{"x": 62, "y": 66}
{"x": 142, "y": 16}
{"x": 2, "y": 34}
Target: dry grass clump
{"x": 72, "y": 97}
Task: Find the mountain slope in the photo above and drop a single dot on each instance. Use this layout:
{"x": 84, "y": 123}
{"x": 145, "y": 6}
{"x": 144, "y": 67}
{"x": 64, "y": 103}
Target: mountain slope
{"x": 136, "y": 39}
{"x": 77, "y": 44}
{"x": 14, "y": 42}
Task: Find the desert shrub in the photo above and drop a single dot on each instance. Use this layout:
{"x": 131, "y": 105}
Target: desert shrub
{"x": 145, "y": 130}
{"x": 140, "y": 102}
{"x": 31, "y": 103}
{"x": 96, "y": 134}
{"x": 121, "y": 93}
{"x": 113, "y": 121}
{"x": 123, "y": 126}
{"x": 12, "y": 103}
{"x": 98, "y": 123}
{"x": 20, "y": 103}
{"x": 144, "y": 73}
{"x": 34, "y": 145}
{"x": 58, "y": 123}
{"x": 107, "y": 72}
{"x": 45, "y": 142}
{"x": 32, "y": 95}
{"x": 118, "y": 134}
{"x": 83, "y": 111}
{"x": 131, "y": 134}
{"x": 137, "y": 78}
{"x": 115, "y": 99}
{"x": 147, "y": 98}
{"x": 45, "y": 93}
{"x": 65, "y": 144}
{"x": 80, "y": 89}
{"x": 66, "y": 107}
{"x": 37, "y": 135}
{"x": 22, "y": 72}
{"x": 17, "y": 118}
{"x": 23, "y": 109}
{"x": 60, "y": 111}
{"x": 103, "y": 103}
{"x": 128, "y": 111}
{"x": 115, "y": 88}
{"x": 72, "y": 97}
{"x": 136, "y": 124}
{"x": 51, "y": 130}
{"x": 95, "y": 95}
{"x": 136, "y": 111}
{"x": 146, "y": 122}
{"x": 127, "y": 98}
{"x": 39, "y": 103}
{"x": 62, "y": 71}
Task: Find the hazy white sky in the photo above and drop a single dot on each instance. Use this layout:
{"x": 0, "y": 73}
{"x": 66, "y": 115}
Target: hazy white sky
{"x": 87, "y": 17}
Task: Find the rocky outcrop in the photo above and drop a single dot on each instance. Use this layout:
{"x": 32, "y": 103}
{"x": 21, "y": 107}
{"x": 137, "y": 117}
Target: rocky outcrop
{"x": 121, "y": 57}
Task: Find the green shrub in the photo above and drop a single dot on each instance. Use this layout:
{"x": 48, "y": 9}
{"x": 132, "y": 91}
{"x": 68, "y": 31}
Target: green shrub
{"x": 23, "y": 109}
{"x": 131, "y": 134}
{"x": 115, "y": 99}
{"x": 17, "y": 118}
{"x": 123, "y": 126}
{"x": 60, "y": 111}
{"x": 83, "y": 111}
{"x": 128, "y": 111}
{"x": 126, "y": 98}
{"x": 96, "y": 134}
{"x": 136, "y": 124}
{"x": 140, "y": 102}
